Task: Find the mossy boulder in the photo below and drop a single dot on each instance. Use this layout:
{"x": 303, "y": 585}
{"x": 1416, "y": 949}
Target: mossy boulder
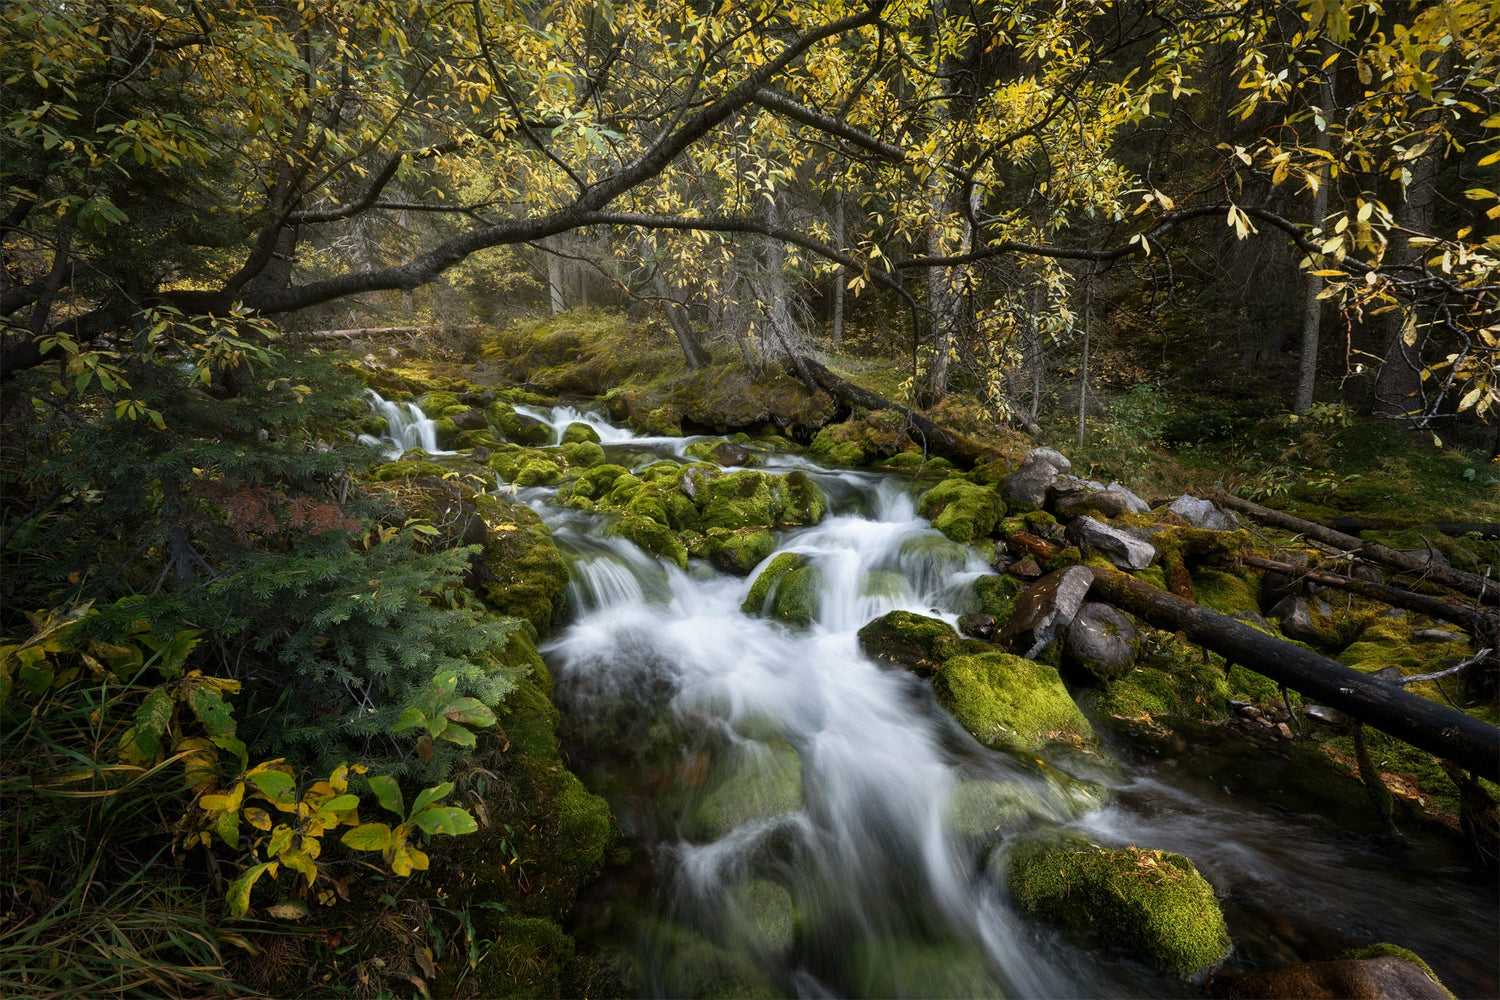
{"x": 578, "y": 431}
{"x": 1382, "y": 970}
{"x": 582, "y": 454}
{"x": 434, "y": 404}
{"x": 738, "y": 552}
{"x": 593, "y": 485}
{"x": 887, "y": 967}
{"x": 914, "y": 641}
{"x": 521, "y": 572}
{"x": 997, "y": 596}
{"x": 406, "y": 469}
{"x": 653, "y": 537}
{"x": 765, "y": 916}
{"x": 1151, "y": 904}
{"x": 1008, "y": 702}
{"x": 763, "y": 780}
{"x": 962, "y": 510}
{"x": 748, "y": 498}
{"x": 1225, "y": 592}
{"x": 528, "y": 959}
{"x": 757, "y": 601}
{"x": 798, "y": 597}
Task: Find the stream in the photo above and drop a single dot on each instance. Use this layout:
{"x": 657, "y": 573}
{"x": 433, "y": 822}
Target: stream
{"x": 790, "y": 803}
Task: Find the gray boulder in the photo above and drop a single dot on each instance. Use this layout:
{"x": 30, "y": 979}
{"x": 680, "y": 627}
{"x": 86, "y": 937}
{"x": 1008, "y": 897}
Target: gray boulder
{"x": 1028, "y": 485}
{"x": 1299, "y": 620}
{"x": 1043, "y": 608}
{"x": 1202, "y": 514}
{"x": 1125, "y": 551}
{"x": 1101, "y": 640}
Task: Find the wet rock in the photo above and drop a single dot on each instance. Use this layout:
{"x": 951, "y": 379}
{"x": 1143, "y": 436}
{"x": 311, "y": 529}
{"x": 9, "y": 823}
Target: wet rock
{"x": 916, "y": 642}
{"x": 578, "y": 432}
{"x": 738, "y": 552}
{"x": 1201, "y": 513}
{"x": 1101, "y": 640}
{"x": 1043, "y": 608}
{"x": 1304, "y": 621}
{"x": 1383, "y": 978}
{"x": 471, "y": 419}
{"x": 1026, "y": 569}
{"x": 764, "y": 911}
{"x": 1125, "y": 551}
{"x": 1026, "y": 488}
{"x": 1152, "y": 904}
{"x": 787, "y": 590}
{"x": 480, "y": 454}
{"x": 729, "y": 453}
{"x": 1008, "y": 702}
{"x": 764, "y": 780}
{"x": 977, "y": 625}
{"x": 962, "y": 510}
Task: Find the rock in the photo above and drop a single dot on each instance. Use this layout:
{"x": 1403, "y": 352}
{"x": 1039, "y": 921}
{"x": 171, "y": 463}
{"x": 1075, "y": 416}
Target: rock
{"x": 691, "y": 482}
{"x": 1323, "y": 713}
{"x": 471, "y": 419}
{"x": 1137, "y": 505}
{"x": 739, "y": 552}
{"x": 764, "y": 912}
{"x": 962, "y": 510}
{"x": 652, "y": 536}
{"x": 1386, "y": 977}
{"x": 1066, "y": 486}
{"x": 1026, "y": 569}
{"x": 1026, "y": 488}
{"x": 1284, "y": 730}
{"x": 1276, "y": 585}
{"x": 1125, "y": 551}
{"x": 916, "y": 642}
{"x": 1201, "y": 513}
{"x": 729, "y": 453}
{"x": 1101, "y": 640}
{"x": 578, "y": 432}
{"x": 997, "y": 596}
{"x": 1438, "y": 635}
{"x": 1431, "y": 556}
{"x": 1043, "y": 608}
{"x": 787, "y": 590}
{"x": 1107, "y": 503}
{"x": 977, "y": 625}
{"x": 765, "y": 780}
{"x": 1301, "y": 621}
{"x": 1010, "y": 703}
{"x": 480, "y": 454}
{"x": 1151, "y": 904}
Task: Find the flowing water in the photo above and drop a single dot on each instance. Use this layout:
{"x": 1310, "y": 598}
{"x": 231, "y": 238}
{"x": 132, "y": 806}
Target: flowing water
{"x": 793, "y": 805}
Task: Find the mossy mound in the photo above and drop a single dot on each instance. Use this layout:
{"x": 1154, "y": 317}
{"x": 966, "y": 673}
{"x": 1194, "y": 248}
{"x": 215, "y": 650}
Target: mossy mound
{"x": 651, "y": 536}
{"x": 757, "y": 602}
{"x": 1390, "y": 642}
{"x": 867, "y": 435}
{"x": 962, "y": 510}
{"x": 738, "y": 552}
{"x": 1008, "y": 702}
{"x": 725, "y": 398}
{"x": 578, "y": 432}
{"x": 523, "y": 572}
{"x": 748, "y": 498}
{"x": 405, "y": 468}
{"x": 889, "y": 967}
{"x": 689, "y": 965}
{"x": 1151, "y": 904}
{"x": 997, "y": 596}
{"x": 1225, "y": 592}
{"x": 581, "y": 352}
{"x": 765, "y": 915}
{"x": 764, "y": 779}
{"x": 912, "y": 640}
{"x": 1173, "y": 680}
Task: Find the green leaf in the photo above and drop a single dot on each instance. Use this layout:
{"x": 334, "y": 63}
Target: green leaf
{"x": 234, "y": 745}
{"x": 281, "y": 839}
{"x": 211, "y": 709}
{"x": 151, "y": 721}
{"x": 277, "y": 786}
{"x": 457, "y": 734}
{"x": 238, "y": 896}
{"x": 340, "y": 803}
{"x": 388, "y": 794}
{"x": 430, "y": 795}
{"x": 367, "y": 837}
{"x": 409, "y": 719}
{"x": 470, "y": 711}
{"x": 444, "y": 819}
{"x": 228, "y": 828}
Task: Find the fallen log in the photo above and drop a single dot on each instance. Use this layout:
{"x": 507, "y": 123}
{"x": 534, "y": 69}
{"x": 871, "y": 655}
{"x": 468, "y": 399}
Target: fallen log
{"x": 935, "y": 438}
{"x": 1440, "y": 730}
{"x": 1483, "y": 529}
{"x": 1486, "y": 590}
{"x": 1472, "y": 621}
{"x": 379, "y": 331}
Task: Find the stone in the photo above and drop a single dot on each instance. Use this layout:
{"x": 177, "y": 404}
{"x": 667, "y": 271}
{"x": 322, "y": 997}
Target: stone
{"x": 764, "y": 781}
{"x": 1438, "y": 635}
{"x": 962, "y": 510}
{"x": 1152, "y": 904}
{"x": 1026, "y": 488}
{"x": 1386, "y": 977}
{"x": 1298, "y": 620}
{"x": 471, "y": 419}
{"x": 1026, "y": 569}
{"x": 1101, "y": 640}
{"x": 739, "y": 552}
{"x": 1010, "y": 703}
{"x": 1043, "y": 608}
{"x": 578, "y": 432}
{"x": 1276, "y": 585}
{"x": 729, "y": 453}
{"x": 1108, "y": 503}
{"x": 1201, "y": 513}
{"x": 1136, "y": 504}
{"x": 916, "y": 642}
{"x": 977, "y": 625}
{"x": 1064, "y": 486}
{"x": 1125, "y": 551}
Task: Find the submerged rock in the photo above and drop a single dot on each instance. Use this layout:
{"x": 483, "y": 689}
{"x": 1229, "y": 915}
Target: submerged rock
{"x": 1010, "y": 703}
{"x": 787, "y": 590}
{"x": 765, "y": 780}
{"x": 1385, "y": 977}
{"x": 1151, "y": 904}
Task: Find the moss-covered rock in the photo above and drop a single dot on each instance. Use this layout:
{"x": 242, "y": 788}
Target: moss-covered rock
{"x": 914, "y": 641}
{"x": 763, "y": 780}
{"x": 962, "y": 510}
{"x": 738, "y": 500}
{"x": 653, "y": 537}
{"x": 1151, "y": 904}
{"x": 1008, "y": 702}
{"x": 765, "y": 915}
{"x": 738, "y": 552}
{"x": 434, "y": 404}
{"x": 523, "y": 573}
{"x": 1225, "y": 592}
{"x": 888, "y": 967}
{"x": 582, "y": 454}
{"x": 406, "y": 469}
{"x": 997, "y": 596}
{"x": 578, "y": 431}
{"x": 757, "y": 601}
{"x": 538, "y": 472}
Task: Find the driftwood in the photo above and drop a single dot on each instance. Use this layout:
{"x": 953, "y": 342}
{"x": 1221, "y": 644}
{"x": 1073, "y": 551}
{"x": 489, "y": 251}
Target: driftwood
{"x": 1440, "y": 730}
{"x": 1472, "y": 621}
{"x": 1485, "y": 590}
{"x": 936, "y": 439}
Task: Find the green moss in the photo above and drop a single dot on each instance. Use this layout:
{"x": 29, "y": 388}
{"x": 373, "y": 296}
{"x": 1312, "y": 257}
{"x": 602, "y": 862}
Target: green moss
{"x": 997, "y": 595}
{"x": 1227, "y": 593}
{"x": 527, "y": 959}
{"x": 1257, "y": 689}
{"x": 1388, "y": 642}
{"x": 907, "y": 638}
{"x": 523, "y": 572}
{"x": 582, "y": 454}
{"x": 446, "y": 431}
{"x": 962, "y": 510}
{"x": 765, "y": 779}
{"x": 988, "y": 810}
{"x": 827, "y": 446}
{"x": 653, "y": 537}
{"x": 578, "y": 432}
{"x": 538, "y": 472}
{"x": 757, "y": 601}
{"x": 1152, "y": 904}
{"x": 593, "y": 484}
{"x": 890, "y": 967}
{"x": 434, "y": 404}
{"x": 1010, "y": 702}
{"x": 737, "y": 500}
{"x": 406, "y": 469}
{"x": 798, "y": 596}
{"x": 738, "y": 552}
{"x": 1172, "y": 680}
{"x": 585, "y": 829}
{"x": 766, "y": 915}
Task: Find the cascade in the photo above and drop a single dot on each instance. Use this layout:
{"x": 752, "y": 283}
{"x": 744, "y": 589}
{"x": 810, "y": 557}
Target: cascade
{"x": 406, "y": 427}
{"x": 800, "y": 805}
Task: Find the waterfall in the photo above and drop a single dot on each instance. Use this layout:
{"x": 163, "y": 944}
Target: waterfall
{"x": 406, "y": 427}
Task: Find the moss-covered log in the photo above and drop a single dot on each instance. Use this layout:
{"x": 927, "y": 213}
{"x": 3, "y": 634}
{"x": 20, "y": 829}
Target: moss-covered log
{"x": 1438, "y": 729}
{"x": 1484, "y": 589}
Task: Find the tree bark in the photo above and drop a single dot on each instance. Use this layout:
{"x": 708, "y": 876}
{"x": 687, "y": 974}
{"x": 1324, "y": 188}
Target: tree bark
{"x": 1485, "y": 590}
{"x": 1442, "y": 731}
{"x": 1312, "y": 309}
{"x": 840, "y": 275}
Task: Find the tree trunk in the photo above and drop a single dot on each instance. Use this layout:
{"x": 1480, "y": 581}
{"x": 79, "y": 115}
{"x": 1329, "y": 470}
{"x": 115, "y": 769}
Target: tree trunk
{"x": 1312, "y": 309}
{"x": 1438, "y": 729}
{"x": 840, "y": 277}
{"x": 555, "y": 292}
{"x": 679, "y": 319}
